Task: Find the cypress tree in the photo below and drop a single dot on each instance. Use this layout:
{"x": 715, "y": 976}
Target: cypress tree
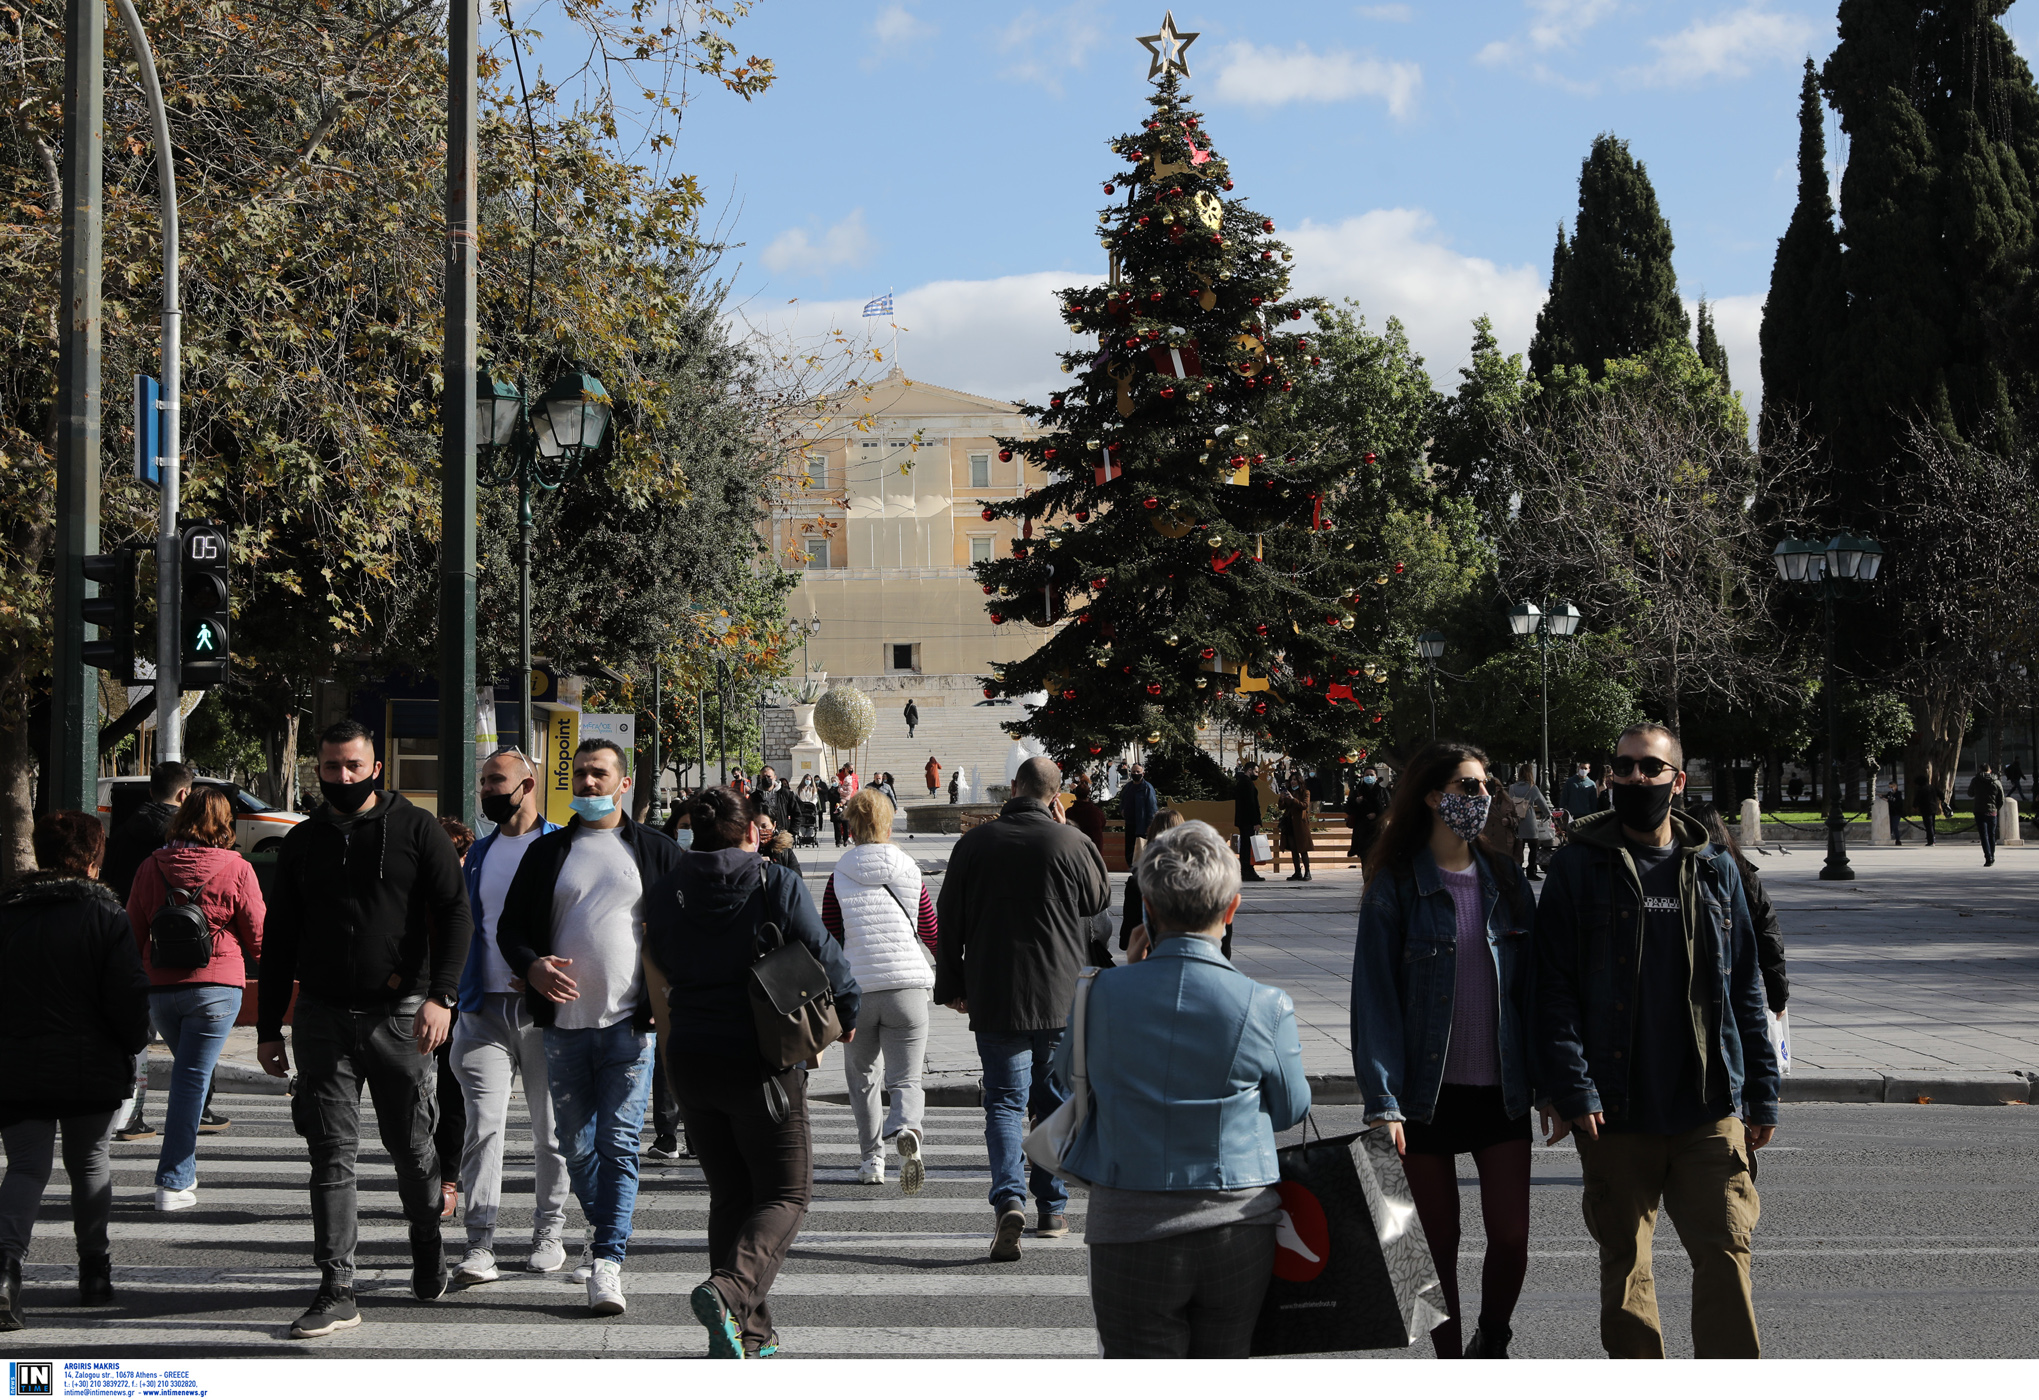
{"x": 1712, "y": 353}
{"x": 1804, "y": 314}
{"x": 1550, "y": 347}
{"x": 1617, "y": 295}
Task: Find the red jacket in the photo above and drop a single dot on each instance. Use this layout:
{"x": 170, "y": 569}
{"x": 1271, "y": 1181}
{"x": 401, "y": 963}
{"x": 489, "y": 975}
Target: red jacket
{"x": 232, "y": 901}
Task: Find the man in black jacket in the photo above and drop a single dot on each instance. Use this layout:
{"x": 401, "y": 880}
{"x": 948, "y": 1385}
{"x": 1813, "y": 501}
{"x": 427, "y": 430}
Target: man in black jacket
{"x": 369, "y": 917}
{"x": 773, "y": 798}
{"x": 141, "y": 835}
{"x": 1246, "y": 814}
{"x": 1015, "y": 913}
{"x": 573, "y": 928}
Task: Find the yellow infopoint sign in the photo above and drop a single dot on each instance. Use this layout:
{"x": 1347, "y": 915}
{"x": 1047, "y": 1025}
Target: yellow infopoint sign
{"x": 562, "y": 737}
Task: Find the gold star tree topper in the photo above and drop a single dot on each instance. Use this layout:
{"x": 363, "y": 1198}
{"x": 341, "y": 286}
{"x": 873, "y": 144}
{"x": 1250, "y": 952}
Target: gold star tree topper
{"x": 1169, "y": 49}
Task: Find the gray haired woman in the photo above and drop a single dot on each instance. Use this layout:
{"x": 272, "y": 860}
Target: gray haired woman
{"x": 1183, "y": 1209}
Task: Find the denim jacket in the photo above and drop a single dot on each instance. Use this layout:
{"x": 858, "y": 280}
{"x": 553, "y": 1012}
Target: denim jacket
{"x": 1193, "y": 1066}
{"x": 1588, "y": 968}
{"x": 470, "y": 975}
{"x": 1405, "y": 983}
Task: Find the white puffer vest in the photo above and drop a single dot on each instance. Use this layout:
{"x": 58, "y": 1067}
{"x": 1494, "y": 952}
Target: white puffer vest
{"x": 883, "y": 948}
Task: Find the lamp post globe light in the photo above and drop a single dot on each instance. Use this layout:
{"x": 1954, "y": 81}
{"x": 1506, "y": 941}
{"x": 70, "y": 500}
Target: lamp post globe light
{"x": 1430, "y": 646}
{"x": 1526, "y": 619}
{"x": 1842, "y": 560}
{"x": 536, "y": 451}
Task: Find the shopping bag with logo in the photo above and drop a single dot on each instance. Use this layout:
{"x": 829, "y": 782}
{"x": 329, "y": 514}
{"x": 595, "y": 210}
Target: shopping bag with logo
{"x": 1352, "y": 1271}
{"x": 1780, "y": 1037}
{"x": 1263, "y": 849}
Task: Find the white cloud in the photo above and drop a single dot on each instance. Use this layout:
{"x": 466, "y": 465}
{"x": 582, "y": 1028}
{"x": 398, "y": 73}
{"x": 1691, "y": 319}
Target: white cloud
{"x": 1389, "y": 14}
{"x": 845, "y": 244}
{"x": 1044, "y": 48}
{"x": 1270, "y": 77}
{"x": 1554, "y": 25}
{"x": 1392, "y": 262}
{"x": 897, "y": 30}
{"x": 1727, "y": 46}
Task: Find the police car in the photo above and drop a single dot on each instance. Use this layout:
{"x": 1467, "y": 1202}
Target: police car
{"x": 257, "y": 825}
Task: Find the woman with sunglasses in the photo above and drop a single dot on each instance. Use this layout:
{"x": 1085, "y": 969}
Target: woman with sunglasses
{"x": 1440, "y": 1007}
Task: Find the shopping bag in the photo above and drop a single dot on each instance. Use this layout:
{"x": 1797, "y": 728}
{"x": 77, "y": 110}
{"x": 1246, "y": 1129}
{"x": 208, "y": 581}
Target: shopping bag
{"x": 1352, "y": 1271}
{"x": 1780, "y": 1037}
{"x": 1263, "y": 849}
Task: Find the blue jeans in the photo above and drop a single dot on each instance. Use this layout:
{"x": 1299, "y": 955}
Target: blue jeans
{"x": 193, "y": 1022}
{"x": 600, "y": 1082}
{"x": 1016, "y": 1079}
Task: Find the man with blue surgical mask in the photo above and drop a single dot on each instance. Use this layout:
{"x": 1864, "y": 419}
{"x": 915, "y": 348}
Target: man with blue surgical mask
{"x": 574, "y": 924}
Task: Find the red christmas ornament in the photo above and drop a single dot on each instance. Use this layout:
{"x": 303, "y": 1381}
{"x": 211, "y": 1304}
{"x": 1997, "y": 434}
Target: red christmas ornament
{"x": 1108, "y": 188}
{"x": 1267, "y": 256}
{"x": 1209, "y": 654}
{"x": 1260, "y": 629}
{"x": 1069, "y": 695}
{"x": 1369, "y": 459}
{"x": 1267, "y": 224}
{"x": 1260, "y": 707}
{"x": 1098, "y": 584}
{"x": 1309, "y": 680}
{"x": 1082, "y": 516}
{"x": 1151, "y": 502}
{"x": 1143, "y": 221}
{"x": 1189, "y": 123}
{"x": 1315, "y": 361}
{"x": 1005, "y": 454}
{"x": 1288, "y": 386}
{"x": 1238, "y": 462}
{"x": 987, "y": 588}
{"x": 1296, "y": 314}
{"x": 1352, "y": 672}
{"x": 1228, "y": 184}
{"x": 997, "y": 618}
{"x": 1301, "y": 343}
{"x": 1259, "y": 457}
{"x": 1048, "y": 453}
{"x": 1019, "y": 551}
{"x": 1378, "y": 718}
{"x": 1330, "y": 619}
{"x": 1083, "y": 617}
{"x": 1095, "y": 749}
{"x": 1167, "y": 393}
{"x": 987, "y": 692}
{"x": 1154, "y": 296}
{"x": 1055, "y": 402}
{"x": 1256, "y": 301}
{"x": 1153, "y": 688}
{"x": 1398, "y": 566}
{"x": 987, "y": 513}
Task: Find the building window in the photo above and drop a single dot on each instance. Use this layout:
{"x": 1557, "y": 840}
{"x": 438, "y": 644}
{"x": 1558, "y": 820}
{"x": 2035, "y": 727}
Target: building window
{"x": 980, "y": 469}
{"x": 980, "y": 549}
{"x": 417, "y": 765}
{"x": 817, "y": 470}
{"x": 903, "y": 656}
{"x": 817, "y": 551}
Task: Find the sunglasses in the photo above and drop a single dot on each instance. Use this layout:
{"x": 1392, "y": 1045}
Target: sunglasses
{"x": 1652, "y": 768}
{"x": 1470, "y": 787}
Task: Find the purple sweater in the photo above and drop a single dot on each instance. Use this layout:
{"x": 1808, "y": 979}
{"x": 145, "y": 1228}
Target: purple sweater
{"x": 1474, "y": 1056}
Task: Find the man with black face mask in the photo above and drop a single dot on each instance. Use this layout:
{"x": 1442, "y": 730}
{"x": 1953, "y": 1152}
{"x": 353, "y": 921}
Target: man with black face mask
{"x": 1650, "y": 1041}
{"x": 368, "y": 916}
{"x": 496, "y": 1041}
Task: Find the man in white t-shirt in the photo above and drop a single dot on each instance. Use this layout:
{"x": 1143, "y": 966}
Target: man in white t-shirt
{"x": 495, "y": 1039}
{"x": 574, "y": 925}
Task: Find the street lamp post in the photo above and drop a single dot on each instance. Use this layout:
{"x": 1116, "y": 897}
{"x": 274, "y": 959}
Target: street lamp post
{"x": 540, "y": 450}
{"x": 808, "y": 630}
{"x": 1843, "y": 559}
{"x": 1430, "y": 646}
{"x": 722, "y": 717}
{"x": 1526, "y": 619}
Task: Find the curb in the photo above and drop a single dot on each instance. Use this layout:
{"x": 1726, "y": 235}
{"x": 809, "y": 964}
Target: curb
{"x": 1841, "y": 1086}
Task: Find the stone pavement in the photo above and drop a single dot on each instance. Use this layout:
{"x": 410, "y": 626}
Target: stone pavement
{"x": 1915, "y": 978}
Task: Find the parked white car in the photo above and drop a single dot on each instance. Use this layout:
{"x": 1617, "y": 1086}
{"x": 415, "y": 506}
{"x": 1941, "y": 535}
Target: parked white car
{"x": 257, "y": 825}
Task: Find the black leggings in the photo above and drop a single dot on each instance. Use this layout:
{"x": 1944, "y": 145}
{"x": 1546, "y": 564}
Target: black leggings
{"x": 1504, "y": 1208}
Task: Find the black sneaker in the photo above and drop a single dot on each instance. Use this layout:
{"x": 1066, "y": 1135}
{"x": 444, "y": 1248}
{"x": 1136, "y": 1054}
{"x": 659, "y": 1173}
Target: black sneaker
{"x": 429, "y": 1271}
{"x": 664, "y": 1149}
{"x": 210, "y": 1122}
{"x": 135, "y": 1131}
{"x": 1051, "y": 1227}
{"x": 332, "y": 1311}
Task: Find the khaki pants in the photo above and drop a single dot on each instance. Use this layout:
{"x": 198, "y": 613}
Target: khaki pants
{"x": 1706, "y": 1181}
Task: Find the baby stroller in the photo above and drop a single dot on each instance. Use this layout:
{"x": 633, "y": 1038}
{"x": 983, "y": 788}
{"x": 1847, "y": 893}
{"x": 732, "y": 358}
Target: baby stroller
{"x": 806, "y": 824}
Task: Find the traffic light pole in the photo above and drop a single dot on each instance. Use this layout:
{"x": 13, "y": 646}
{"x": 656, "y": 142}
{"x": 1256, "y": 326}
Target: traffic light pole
{"x": 72, "y": 778}
{"x": 169, "y": 564}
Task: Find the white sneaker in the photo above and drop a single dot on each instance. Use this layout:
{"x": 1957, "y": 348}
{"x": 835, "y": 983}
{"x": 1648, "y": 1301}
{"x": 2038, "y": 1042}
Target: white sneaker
{"x": 585, "y": 1267}
{"x": 478, "y": 1267}
{"x": 912, "y": 1170}
{"x": 605, "y": 1288}
{"x": 547, "y": 1255}
{"x": 872, "y": 1170}
{"x": 176, "y": 1200}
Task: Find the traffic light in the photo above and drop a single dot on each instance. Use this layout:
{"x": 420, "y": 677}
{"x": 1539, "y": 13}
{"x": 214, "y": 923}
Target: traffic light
{"x": 113, "y": 612}
{"x": 203, "y": 614}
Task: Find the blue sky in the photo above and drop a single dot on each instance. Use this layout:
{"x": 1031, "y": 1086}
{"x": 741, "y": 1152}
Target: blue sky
{"x": 1418, "y": 156}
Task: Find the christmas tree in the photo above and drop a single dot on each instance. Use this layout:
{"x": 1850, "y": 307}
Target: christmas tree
{"x": 1187, "y": 554}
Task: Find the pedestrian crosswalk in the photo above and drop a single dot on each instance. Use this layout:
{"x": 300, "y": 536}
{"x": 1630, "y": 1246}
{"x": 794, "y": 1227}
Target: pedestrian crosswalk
{"x": 873, "y": 1274}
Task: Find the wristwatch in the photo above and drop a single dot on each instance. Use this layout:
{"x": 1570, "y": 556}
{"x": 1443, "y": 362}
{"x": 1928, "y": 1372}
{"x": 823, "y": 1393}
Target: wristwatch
{"x": 446, "y": 999}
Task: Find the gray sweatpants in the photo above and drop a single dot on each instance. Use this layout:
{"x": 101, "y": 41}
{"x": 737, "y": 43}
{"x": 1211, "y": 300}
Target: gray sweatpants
{"x": 491, "y": 1047}
{"x": 895, "y": 1023}
{"x": 31, "y": 1157}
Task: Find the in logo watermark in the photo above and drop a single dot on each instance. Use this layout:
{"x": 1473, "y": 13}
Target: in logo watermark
{"x": 31, "y": 1378}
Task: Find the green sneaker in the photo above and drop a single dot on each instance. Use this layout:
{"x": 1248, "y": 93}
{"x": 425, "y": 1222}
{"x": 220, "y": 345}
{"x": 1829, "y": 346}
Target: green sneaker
{"x": 768, "y": 1347}
{"x": 724, "y": 1341}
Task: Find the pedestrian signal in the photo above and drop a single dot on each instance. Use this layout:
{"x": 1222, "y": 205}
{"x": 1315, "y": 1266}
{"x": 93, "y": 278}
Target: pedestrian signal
{"x": 205, "y": 610}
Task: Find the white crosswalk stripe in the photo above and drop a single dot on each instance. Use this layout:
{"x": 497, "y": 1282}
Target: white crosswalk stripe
{"x": 874, "y": 1273}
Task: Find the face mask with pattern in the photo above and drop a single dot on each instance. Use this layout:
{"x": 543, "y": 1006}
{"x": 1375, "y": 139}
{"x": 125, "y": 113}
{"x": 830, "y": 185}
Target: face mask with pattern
{"x": 1465, "y": 815}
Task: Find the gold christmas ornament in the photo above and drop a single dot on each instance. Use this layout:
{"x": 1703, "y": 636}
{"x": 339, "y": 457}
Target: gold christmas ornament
{"x": 1172, "y": 524}
{"x": 1172, "y": 639}
{"x": 1210, "y": 209}
{"x": 1155, "y": 737}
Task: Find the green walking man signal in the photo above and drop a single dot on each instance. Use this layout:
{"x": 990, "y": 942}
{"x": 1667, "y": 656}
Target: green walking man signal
{"x": 204, "y": 606}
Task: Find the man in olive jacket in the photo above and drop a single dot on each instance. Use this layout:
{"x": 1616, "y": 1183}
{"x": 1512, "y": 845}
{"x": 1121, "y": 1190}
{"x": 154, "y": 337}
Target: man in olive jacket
{"x": 1015, "y": 913}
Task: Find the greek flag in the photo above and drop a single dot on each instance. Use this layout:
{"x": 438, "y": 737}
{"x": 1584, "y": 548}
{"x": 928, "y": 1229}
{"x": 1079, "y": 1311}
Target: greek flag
{"x": 879, "y": 306}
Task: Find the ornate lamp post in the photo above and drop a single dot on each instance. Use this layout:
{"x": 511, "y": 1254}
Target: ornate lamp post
{"x": 538, "y": 451}
{"x": 1527, "y": 619}
{"x": 1843, "y": 559}
{"x": 1430, "y": 646}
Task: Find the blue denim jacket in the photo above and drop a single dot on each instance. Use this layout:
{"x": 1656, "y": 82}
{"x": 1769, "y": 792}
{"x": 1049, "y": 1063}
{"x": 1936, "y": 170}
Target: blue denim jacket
{"x": 1405, "y": 983}
{"x": 1194, "y": 1067}
{"x": 470, "y": 975}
